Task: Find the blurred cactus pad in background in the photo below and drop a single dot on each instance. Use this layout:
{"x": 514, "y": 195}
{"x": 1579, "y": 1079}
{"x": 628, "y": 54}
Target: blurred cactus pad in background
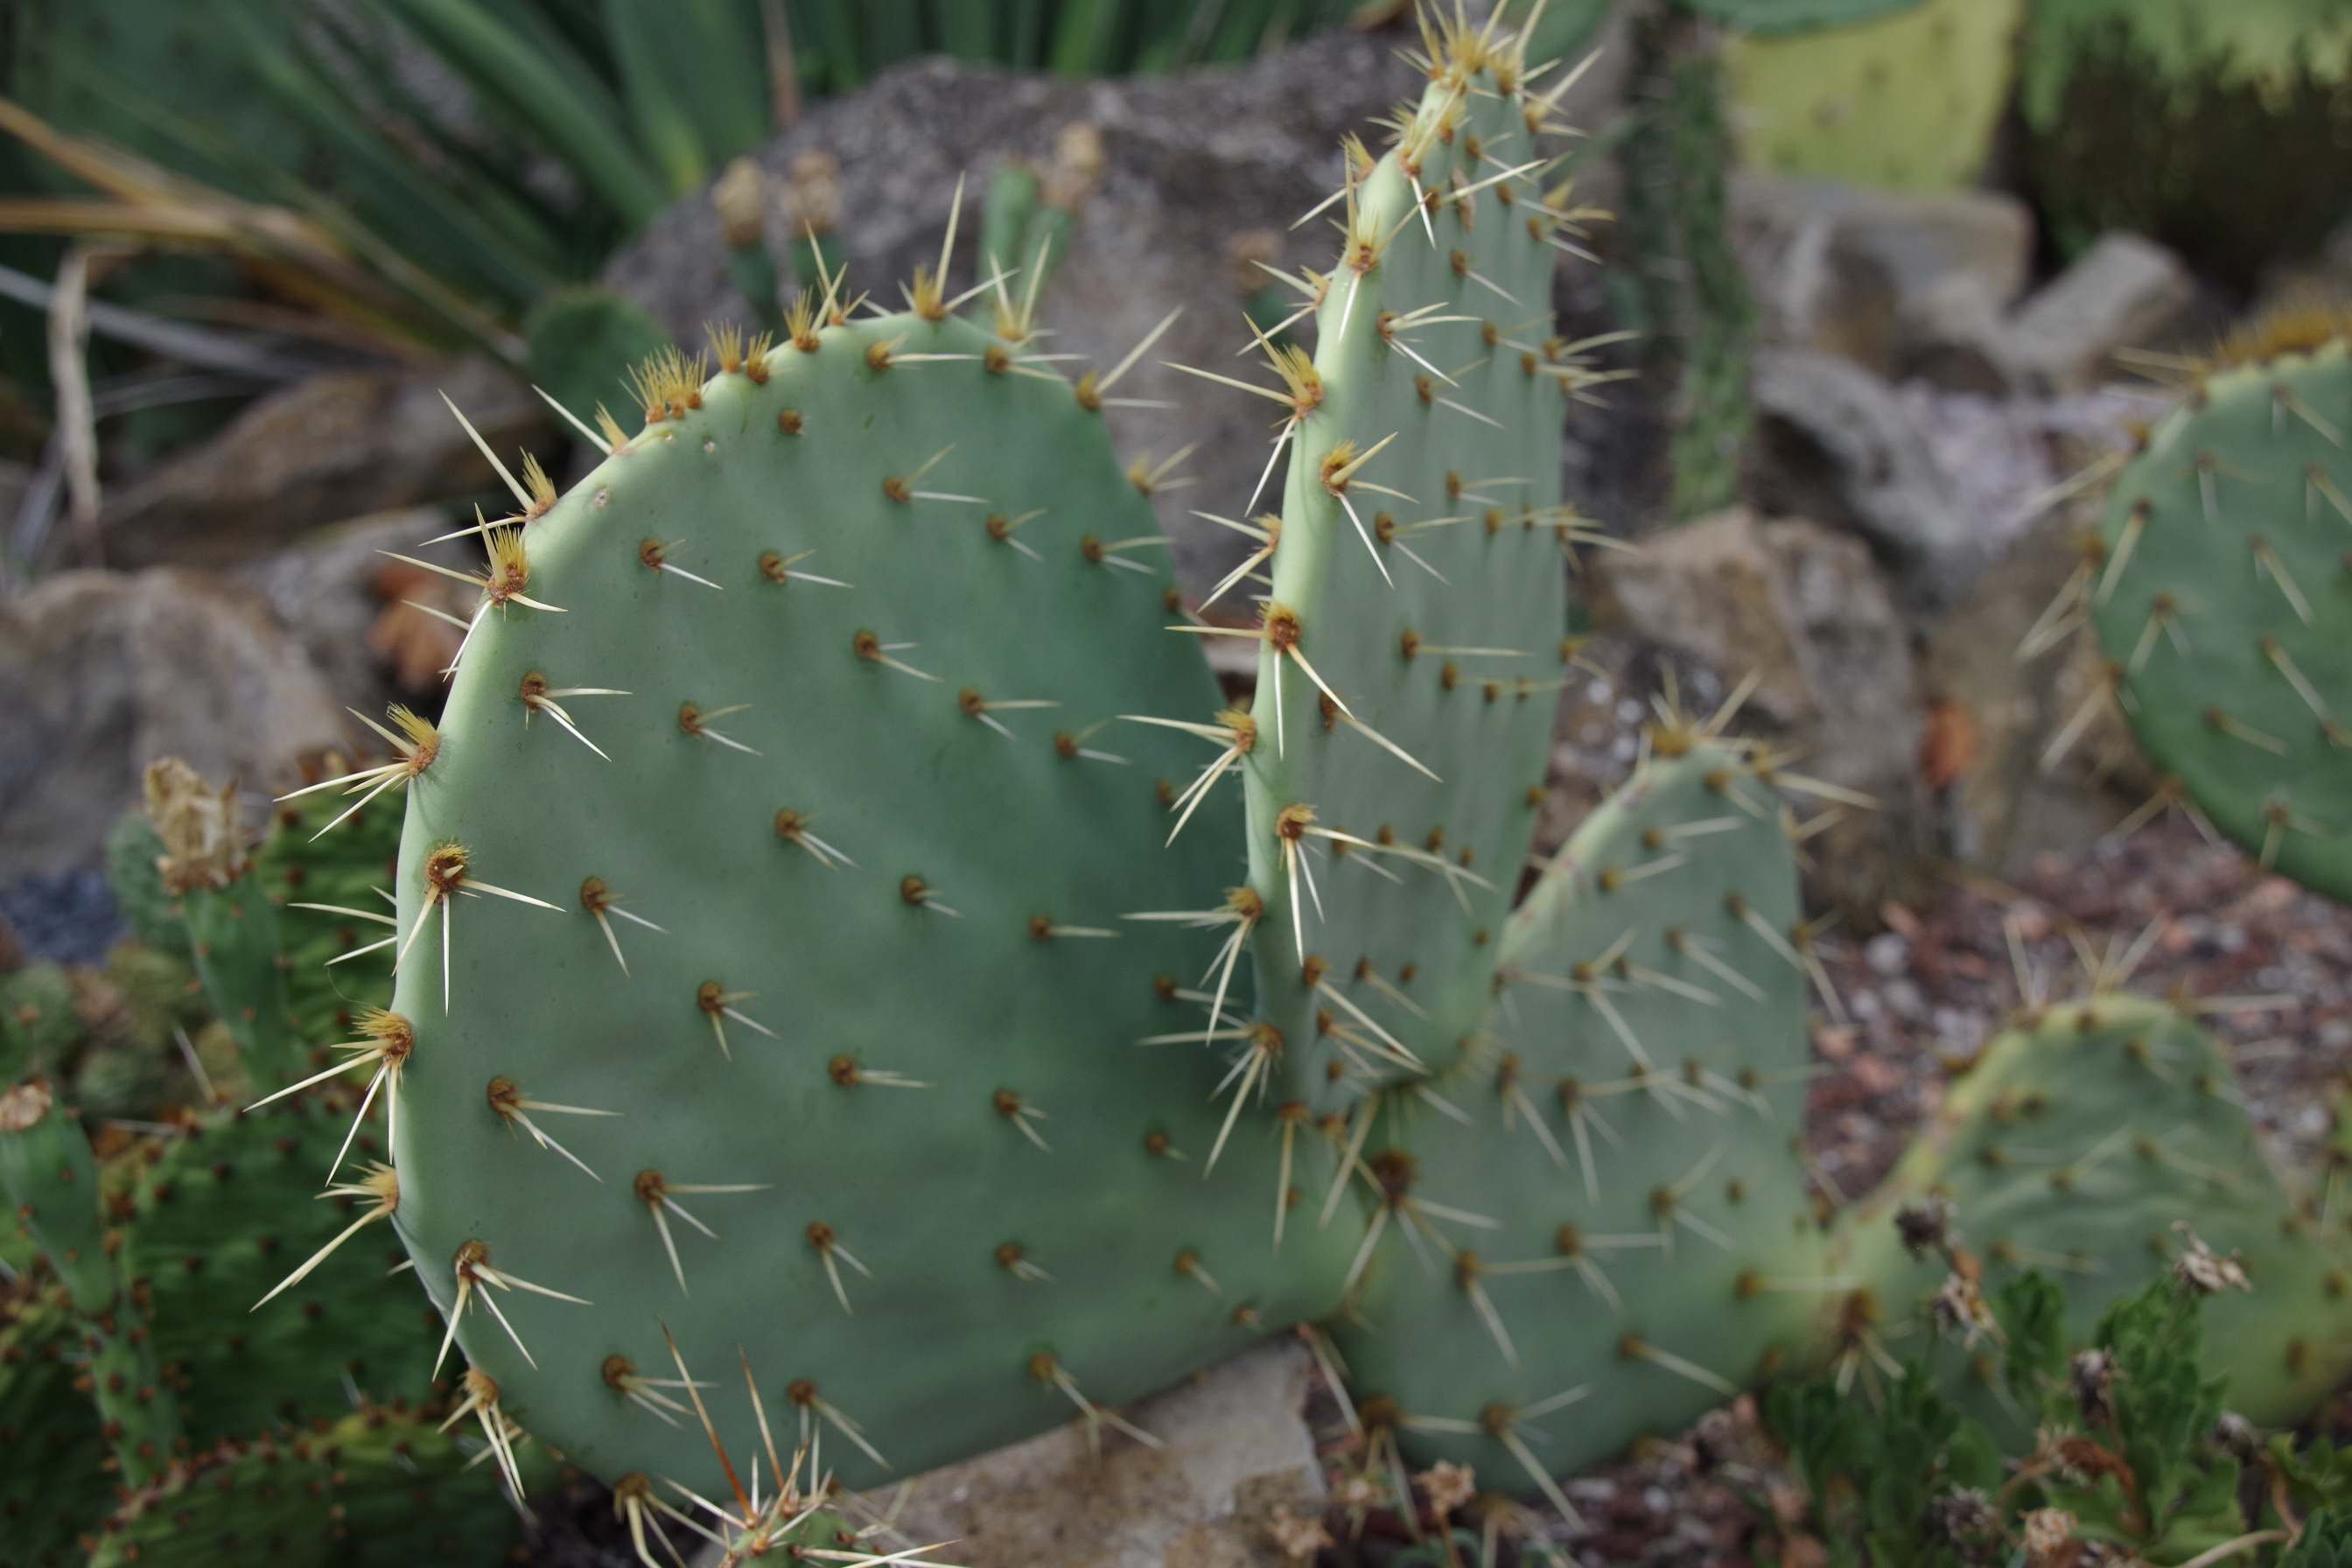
{"x": 881, "y": 896}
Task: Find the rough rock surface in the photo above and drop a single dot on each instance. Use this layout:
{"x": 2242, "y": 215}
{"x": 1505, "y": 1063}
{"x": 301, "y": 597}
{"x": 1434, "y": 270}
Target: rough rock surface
{"x": 1803, "y": 609}
{"x": 335, "y": 446}
{"x": 105, "y": 671}
{"x": 1191, "y": 160}
{"x": 1236, "y": 1449}
{"x": 1834, "y": 443}
{"x": 2125, "y": 292}
{"x": 1848, "y": 270}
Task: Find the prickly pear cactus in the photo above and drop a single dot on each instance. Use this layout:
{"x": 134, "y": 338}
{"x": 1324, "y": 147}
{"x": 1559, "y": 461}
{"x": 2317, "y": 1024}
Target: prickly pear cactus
{"x": 1413, "y": 644}
{"x": 372, "y": 1486}
{"x": 1908, "y": 102}
{"x": 2222, "y": 601}
{"x": 217, "y": 1219}
{"x": 821, "y": 927}
{"x": 330, "y": 891}
{"x": 781, "y": 820}
{"x": 55, "y": 1481}
{"x": 1605, "y": 1179}
{"x": 38, "y": 1023}
{"x": 50, "y": 1178}
{"x": 2076, "y": 1143}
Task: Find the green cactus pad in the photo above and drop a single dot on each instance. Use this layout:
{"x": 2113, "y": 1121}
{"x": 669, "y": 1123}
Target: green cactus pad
{"x": 578, "y": 337}
{"x": 270, "y": 970}
{"x": 1445, "y": 640}
{"x": 888, "y": 869}
{"x": 55, "y": 1479}
{"x": 1627, "y": 1142}
{"x": 38, "y": 1023}
{"x": 1908, "y": 102}
{"x": 378, "y": 1484}
{"x": 227, "y": 1212}
{"x": 348, "y": 869}
{"x": 2074, "y": 1144}
{"x": 50, "y": 1177}
{"x": 152, "y": 911}
{"x": 2224, "y": 605}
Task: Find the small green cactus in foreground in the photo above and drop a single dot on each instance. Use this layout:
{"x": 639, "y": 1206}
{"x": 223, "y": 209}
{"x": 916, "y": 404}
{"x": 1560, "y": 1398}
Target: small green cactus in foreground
{"x": 133, "y": 1366}
{"x": 842, "y": 1010}
{"x": 2074, "y": 1144}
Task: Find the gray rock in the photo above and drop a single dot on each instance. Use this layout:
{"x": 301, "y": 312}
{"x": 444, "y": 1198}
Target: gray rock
{"x": 1834, "y": 443}
{"x": 335, "y": 446}
{"x": 1191, "y": 161}
{"x": 1953, "y": 336}
{"x": 106, "y": 671}
{"x": 1804, "y": 610}
{"x": 2124, "y": 292}
{"x": 1840, "y": 269}
{"x": 1236, "y": 1449}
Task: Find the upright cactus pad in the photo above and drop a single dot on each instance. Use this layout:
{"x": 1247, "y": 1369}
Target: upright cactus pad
{"x": 2076, "y": 1143}
{"x": 1606, "y": 1193}
{"x": 2224, "y": 604}
{"x": 792, "y": 731}
{"x": 1414, "y": 640}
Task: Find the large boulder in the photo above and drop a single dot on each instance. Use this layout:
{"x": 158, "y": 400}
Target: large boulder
{"x": 1190, "y": 161}
{"x": 331, "y": 448}
{"x": 1803, "y": 609}
{"x": 106, "y": 671}
{"x": 1236, "y": 1458}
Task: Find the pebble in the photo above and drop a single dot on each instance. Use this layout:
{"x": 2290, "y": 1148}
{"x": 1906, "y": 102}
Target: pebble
{"x": 1888, "y": 952}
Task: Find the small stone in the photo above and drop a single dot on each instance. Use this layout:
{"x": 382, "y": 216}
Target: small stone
{"x": 1888, "y": 952}
{"x": 1237, "y": 1465}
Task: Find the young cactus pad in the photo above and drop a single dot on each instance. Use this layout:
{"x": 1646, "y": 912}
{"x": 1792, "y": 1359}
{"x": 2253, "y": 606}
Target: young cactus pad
{"x": 2224, "y": 604}
{"x": 2076, "y": 1143}
{"x": 1609, "y": 1179}
{"x": 818, "y": 910}
{"x": 1412, "y": 643}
